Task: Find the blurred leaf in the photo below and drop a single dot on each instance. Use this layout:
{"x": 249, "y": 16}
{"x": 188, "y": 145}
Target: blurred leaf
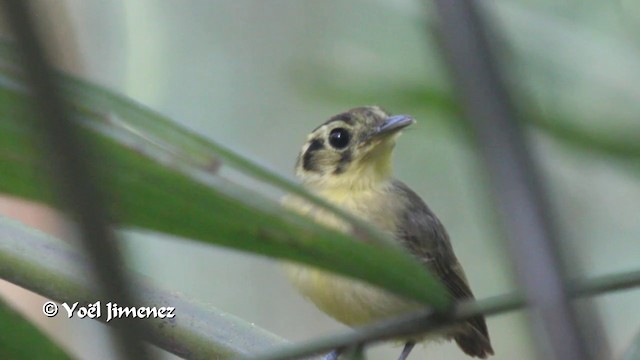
{"x": 19, "y": 339}
{"x": 49, "y": 267}
{"x": 419, "y": 98}
{"x": 160, "y": 178}
{"x": 572, "y": 83}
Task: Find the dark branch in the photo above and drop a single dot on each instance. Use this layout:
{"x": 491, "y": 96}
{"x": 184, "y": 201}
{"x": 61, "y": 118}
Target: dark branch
{"x": 517, "y": 187}
{"x": 73, "y": 176}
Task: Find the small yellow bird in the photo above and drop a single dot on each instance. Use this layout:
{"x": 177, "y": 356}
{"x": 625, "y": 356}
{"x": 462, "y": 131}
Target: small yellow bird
{"x": 347, "y": 161}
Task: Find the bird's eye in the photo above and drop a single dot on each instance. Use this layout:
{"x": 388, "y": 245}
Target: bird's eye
{"x": 339, "y": 138}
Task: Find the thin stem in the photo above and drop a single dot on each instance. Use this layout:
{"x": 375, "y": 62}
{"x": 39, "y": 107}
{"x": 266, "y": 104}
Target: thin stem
{"x": 426, "y": 321}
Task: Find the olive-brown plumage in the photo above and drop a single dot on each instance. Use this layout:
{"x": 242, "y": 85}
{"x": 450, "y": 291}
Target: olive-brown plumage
{"x": 347, "y": 161}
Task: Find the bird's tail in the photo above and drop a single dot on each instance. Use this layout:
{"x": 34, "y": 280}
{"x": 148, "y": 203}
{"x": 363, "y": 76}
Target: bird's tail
{"x": 473, "y": 341}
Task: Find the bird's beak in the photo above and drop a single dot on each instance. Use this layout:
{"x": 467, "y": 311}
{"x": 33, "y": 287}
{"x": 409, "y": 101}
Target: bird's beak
{"x": 393, "y": 124}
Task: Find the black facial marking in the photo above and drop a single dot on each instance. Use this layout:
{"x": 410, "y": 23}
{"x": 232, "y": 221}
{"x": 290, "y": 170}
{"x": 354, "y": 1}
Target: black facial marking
{"x": 346, "y": 118}
{"x": 307, "y": 158}
{"x": 343, "y": 163}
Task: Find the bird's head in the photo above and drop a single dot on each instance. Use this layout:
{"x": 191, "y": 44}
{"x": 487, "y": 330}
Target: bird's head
{"x": 351, "y": 150}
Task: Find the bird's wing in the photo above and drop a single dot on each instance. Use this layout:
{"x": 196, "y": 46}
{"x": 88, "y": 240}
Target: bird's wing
{"x": 422, "y": 233}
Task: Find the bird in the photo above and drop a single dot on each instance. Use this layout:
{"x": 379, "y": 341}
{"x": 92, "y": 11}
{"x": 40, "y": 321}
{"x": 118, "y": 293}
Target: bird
{"x": 347, "y": 161}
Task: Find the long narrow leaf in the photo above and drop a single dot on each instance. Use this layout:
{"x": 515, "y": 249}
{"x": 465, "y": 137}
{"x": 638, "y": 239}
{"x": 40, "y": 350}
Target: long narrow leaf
{"x": 112, "y": 113}
{"x": 153, "y": 189}
{"x": 48, "y": 266}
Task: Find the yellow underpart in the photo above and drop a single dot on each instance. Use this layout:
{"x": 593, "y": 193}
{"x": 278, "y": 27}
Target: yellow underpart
{"x": 349, "y": 301}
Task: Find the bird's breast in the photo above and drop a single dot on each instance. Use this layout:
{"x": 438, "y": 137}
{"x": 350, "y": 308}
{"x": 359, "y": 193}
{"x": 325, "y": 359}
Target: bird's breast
{"x": 377, "y": 206}
{"x": 349, "y": 301}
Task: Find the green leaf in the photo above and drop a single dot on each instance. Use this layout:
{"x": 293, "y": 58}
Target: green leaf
{"x": 49, "y": 267}
{"x": 20, "y": 339}
{"x": 160, "y": 178}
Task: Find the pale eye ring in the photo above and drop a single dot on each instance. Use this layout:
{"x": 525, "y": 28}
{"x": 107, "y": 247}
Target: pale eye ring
{"x": 339, "y": 138}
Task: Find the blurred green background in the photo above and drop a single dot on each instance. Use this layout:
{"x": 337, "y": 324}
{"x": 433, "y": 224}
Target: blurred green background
{"x": 258, "y": 75}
